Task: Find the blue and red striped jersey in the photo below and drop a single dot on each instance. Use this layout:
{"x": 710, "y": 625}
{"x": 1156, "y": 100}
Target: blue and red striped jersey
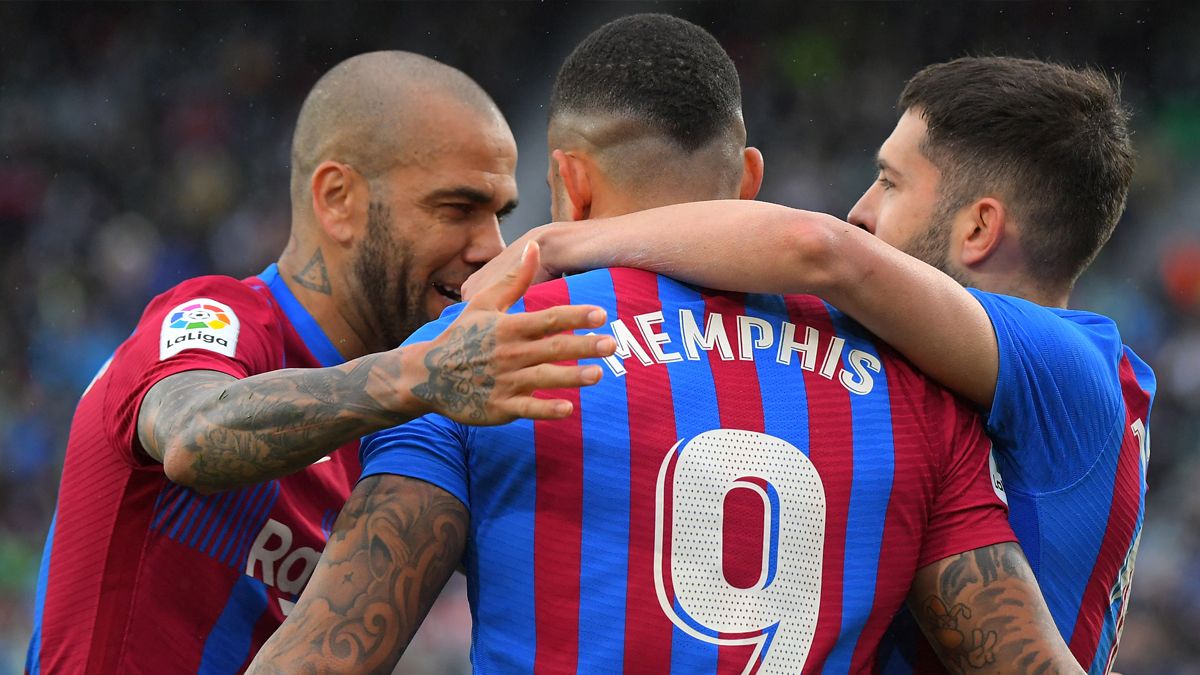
{"x": 1070, "y": 421}
{"x": 141, "y": 575}
{"x": 750, "y": 488}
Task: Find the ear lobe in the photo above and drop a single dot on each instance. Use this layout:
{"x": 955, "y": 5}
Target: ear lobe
{"x": 989, "y": 220}
{"x": 339, "y": 200}
{"x": 752, "y": 173}
{"x": 576, "y": 183}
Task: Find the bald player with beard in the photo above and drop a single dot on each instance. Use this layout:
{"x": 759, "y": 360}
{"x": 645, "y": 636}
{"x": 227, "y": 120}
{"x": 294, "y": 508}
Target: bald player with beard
{"x": 209, "y": 457}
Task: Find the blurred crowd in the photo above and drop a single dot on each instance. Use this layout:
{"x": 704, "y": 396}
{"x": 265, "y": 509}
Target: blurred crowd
{"x": 144, "y": 144}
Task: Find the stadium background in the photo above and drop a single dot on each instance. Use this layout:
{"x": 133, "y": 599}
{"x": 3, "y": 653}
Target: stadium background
{"x": 143, "y": 144}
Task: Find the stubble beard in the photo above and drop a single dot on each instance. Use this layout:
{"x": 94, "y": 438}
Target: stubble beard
{"x": 932, "y": 245}
{"x": 393, "y": 300}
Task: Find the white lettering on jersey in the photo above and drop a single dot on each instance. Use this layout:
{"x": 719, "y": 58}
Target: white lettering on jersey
{"x": 274, "y": 543}
{"x": 997, "y": 481}
{"x": 199, "y": 324}
{"x": 754, "y": 335}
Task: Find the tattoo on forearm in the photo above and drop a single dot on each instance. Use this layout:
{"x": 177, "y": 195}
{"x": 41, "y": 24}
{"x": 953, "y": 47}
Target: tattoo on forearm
{"x": 246, "y": 431}
{"x": 394, "y": 546}
{"x": 315, "y": 276}
{"x": 460, "y": 375}
{"x": 981, "y": 616}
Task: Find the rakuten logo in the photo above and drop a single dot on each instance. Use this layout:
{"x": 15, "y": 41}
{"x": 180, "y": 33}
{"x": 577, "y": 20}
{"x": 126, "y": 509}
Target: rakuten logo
{"x": 282, "y": 567}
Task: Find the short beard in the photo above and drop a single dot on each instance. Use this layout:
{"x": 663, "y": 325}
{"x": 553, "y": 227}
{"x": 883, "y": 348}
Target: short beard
{"x": 932, "y": 245}
{"x": 392, "y": 302}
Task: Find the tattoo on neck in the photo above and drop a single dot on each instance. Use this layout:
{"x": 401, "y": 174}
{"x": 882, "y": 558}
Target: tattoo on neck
{"x": 315, "y": 276}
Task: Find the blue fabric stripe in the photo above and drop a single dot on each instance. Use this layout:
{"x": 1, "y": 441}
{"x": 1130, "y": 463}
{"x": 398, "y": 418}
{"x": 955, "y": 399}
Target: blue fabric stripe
{"x": 605, "y": 418}
{"x": 694, "y": 395}
{"x": 306, "y": 326}
{"x": 228, "y": 645}
{"x": 218, "y": 522}
{"x": 502, "y": 602}
{"x": 221, "y": 549}
{"x": 870, "y": 492}
{"x": 173, "y": 502}
{"x": 181, "y": 516}
{"x": 255, "y": 524}
{"x": 204, "y": 511}
{"x": 33, "y": 658}
{"x": 785, "y": 401}
{"x": 227, "y": 519}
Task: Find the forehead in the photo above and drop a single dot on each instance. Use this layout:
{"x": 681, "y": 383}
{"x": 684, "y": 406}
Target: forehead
{"x": 462, "y": 147}
{"x": 904, "y": 143}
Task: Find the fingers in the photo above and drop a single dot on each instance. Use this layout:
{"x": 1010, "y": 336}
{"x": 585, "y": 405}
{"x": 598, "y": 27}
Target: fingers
{"x": 502, "y": 294}
{"x": 559, "y": 348}
{"x": 555, "y": 320}
{"x": 546, "y": 376}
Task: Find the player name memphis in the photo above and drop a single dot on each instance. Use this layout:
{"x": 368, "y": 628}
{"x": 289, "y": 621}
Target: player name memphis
{"x": 753, "y": 338}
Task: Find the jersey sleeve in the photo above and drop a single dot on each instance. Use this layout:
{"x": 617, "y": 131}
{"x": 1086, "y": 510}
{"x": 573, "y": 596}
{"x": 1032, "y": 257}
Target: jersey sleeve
{"x": 432, "y": 448}
{"x": 1057, "y": 397}
{"x": 970, "y": 509}
{"x": 209, "y": 323}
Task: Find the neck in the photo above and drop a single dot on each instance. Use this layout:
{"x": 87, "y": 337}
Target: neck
{"x": 304, "y": 269}
{"x": 1020, "y": 287}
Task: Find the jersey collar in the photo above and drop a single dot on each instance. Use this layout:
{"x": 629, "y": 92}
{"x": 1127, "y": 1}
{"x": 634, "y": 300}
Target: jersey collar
{"x": 309, "y": 330}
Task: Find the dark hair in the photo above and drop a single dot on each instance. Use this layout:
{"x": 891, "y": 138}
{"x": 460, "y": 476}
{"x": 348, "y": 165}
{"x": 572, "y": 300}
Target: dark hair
{"x": 666, "y": 72}
{"x": 1052, "y": 140}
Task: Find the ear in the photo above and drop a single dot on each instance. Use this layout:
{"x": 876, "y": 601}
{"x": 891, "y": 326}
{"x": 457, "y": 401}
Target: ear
{"x": 983, "y": 231}
{"x": 340, "y": 196}
{"x": 752, "y": 173}
{"x": 578, "y": 186}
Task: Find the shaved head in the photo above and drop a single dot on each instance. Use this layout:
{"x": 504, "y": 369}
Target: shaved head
{"x": 372, "y": 112}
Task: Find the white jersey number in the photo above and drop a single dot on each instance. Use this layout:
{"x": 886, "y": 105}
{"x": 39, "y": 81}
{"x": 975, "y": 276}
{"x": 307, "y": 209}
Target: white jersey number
{"x": 778, "y": 614}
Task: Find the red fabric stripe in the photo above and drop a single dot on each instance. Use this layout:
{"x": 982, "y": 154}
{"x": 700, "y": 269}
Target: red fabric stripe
{"x": 829, "y": 441}
{"x": 1122, "y": 519}
{"x": 648, "y": 630}
{"x": 739, "y": 404}
{"x": 558, "y": 520}
{"x": 901, "y": 545}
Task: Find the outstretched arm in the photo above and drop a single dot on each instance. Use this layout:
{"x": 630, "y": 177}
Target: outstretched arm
{"x": 392, "y": 549}
{"x": 214, "y": 432}
{"x": 983, "y": 613}
{"x": 758, "y": 247}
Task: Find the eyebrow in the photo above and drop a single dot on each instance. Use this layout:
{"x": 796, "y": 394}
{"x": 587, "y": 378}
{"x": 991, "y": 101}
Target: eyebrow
{"x": 882, "y": 165}
{"x": 475, "y": 196}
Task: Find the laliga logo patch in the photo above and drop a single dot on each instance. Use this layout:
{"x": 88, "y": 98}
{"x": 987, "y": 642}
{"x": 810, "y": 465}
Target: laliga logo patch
{"x": 199, "y": 324}
{"x": 997, "y": 481}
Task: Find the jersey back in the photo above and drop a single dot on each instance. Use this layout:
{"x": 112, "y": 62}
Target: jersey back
{"x": 750, "y": 488}
{"x": 141, "y": 575}
{"x": 1070, "y": 426}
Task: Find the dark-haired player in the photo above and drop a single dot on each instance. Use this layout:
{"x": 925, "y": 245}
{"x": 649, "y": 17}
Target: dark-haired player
{"x": 755, "y": 491}
{"x": 164, "y": 555}
{"x": 1005, "y": 175}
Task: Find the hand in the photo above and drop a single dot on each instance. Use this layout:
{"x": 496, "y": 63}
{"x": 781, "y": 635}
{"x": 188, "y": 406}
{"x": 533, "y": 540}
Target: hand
{"x": 505, "y": 263}
{"x": 485, "y": 367}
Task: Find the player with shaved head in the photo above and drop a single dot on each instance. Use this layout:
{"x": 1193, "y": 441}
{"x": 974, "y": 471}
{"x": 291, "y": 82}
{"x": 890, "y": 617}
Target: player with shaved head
{"x": 209, "y": 457}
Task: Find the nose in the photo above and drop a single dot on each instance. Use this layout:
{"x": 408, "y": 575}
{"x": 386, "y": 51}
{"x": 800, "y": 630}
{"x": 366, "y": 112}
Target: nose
{"x": 863, "y": 212}
{"x": 486, "y": 243}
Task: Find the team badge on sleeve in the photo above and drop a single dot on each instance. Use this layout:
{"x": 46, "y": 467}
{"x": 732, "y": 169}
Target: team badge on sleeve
{"x": 199, "y": 324}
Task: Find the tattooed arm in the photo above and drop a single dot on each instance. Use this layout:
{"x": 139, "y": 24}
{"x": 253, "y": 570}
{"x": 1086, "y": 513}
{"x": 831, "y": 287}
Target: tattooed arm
{"x": 393, "y": 547}
{"x": 983, "y": 613}
{"x": 214, "y": 432}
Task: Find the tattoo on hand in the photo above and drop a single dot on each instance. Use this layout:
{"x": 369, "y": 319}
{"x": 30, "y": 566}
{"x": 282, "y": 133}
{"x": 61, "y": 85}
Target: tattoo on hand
{"x": 394, "y": 546}
{"x": 460, "y": 376}
{"x": 315, "y": 276}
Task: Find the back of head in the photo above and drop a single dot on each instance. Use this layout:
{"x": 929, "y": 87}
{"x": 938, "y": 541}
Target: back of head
{"x": 654, "y": 96}
{"x": 1051, "y": 141}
